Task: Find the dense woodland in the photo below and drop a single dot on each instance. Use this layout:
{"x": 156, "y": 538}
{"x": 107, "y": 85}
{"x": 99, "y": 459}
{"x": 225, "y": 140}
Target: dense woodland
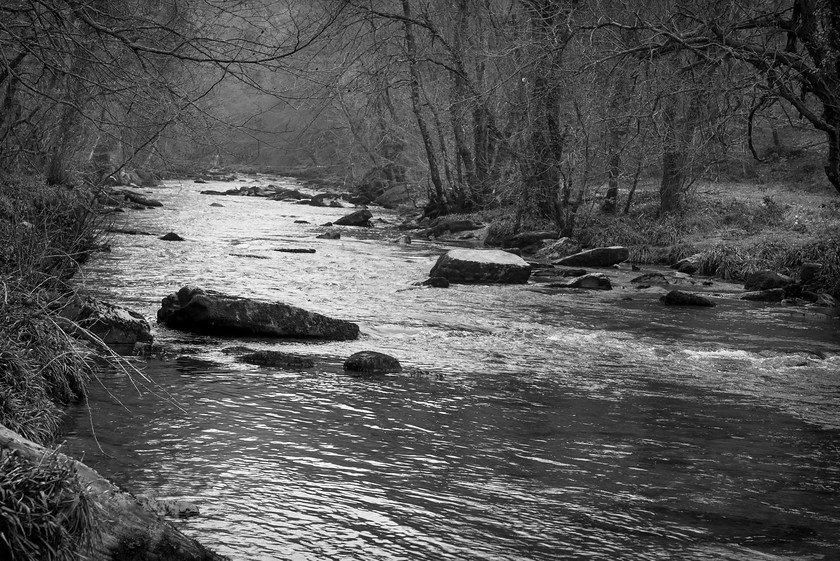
{"x": 541, "y": 105}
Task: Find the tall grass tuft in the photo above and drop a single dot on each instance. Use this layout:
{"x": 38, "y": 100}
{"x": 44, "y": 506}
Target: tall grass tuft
{"x": 41, "y": 368}
{"x": 44, "y": 512}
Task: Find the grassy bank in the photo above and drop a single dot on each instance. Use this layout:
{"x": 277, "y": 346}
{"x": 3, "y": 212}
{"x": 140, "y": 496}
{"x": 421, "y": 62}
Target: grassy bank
{"x": 45, "y": 234}
{"x": 736, "y": 227}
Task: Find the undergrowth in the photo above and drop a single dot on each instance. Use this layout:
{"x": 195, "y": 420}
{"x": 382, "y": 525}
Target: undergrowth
{"x": 46, "y": 232}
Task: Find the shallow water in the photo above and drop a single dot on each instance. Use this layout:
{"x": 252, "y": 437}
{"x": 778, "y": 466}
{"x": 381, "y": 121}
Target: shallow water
{"x": 527, "y": 424}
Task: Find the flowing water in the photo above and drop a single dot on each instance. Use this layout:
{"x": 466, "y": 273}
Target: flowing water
{"x": 528, "y": 423}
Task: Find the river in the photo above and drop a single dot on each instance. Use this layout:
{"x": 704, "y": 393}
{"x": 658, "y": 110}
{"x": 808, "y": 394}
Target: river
{"x": 528, "y": 423}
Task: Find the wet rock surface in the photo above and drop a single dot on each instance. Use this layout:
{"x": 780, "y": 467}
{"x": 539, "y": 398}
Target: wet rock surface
{"x": 372, "y": 362}
{"x": 481, "y": 266}
{"x": 596, "y": 257}
{"x": 196, "y": 310}
{"x": 681, "y": 298}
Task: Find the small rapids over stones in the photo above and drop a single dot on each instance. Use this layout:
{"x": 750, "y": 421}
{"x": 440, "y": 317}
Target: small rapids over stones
{"x": 527, "y": 422}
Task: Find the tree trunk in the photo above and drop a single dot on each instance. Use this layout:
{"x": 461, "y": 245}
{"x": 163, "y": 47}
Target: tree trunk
{"x": 673, "y": 178}
{"x": 459, "y": 105}
{"x": 618, "y": 124}
{"x": 439, "y": 203}
{"x": 832, "y": 165}
{"x": 128, "y": 530}
{"x": 679, "y": 130}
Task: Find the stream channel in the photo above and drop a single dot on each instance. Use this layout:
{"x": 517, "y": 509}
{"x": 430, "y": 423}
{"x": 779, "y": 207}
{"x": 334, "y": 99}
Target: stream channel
{"x": 528, "y": 423}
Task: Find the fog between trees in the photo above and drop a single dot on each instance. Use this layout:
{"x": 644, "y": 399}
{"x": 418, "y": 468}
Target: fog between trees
{"x": 545, "y": 105}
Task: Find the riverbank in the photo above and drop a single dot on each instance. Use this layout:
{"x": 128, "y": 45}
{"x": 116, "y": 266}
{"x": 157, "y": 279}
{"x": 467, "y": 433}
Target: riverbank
{"x": 54, "y": 507}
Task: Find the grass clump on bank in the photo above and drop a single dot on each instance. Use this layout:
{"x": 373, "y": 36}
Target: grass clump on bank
{"x": 735, "y": 228}
{"x": 41, "y": 368}
{"x": 44, "y": 512}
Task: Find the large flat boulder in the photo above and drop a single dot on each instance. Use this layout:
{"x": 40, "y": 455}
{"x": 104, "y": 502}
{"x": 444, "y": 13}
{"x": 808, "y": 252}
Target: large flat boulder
{"x": 204, "y": 311}
{"x": 481, "y": 266}
{"x": 597, "y": 257}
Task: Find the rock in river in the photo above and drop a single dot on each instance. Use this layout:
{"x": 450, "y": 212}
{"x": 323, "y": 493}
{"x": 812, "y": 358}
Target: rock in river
{"x": 765, "y": 280}
{"x": 597, "y": 257}
{"x": 209, "y": 312}
{"x": 277, "y": 359}
{"x": 372, "y": 362}
{"x": 114, "y": 325}
{"x": 591, "y": 281}
{"x": 140, "y": 199}
{"x": 680, "y": 298}
{"x": 769, "y": 295}
{"x": 358, "y": 218}
{"x": 481, "y": 266}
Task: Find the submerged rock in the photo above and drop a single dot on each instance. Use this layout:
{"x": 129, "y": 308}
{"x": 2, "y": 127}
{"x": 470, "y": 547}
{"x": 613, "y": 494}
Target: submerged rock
{"x": 277, "y": 359}
{"x": 597, "y": 257}
{"x": 294, "y": 249}
{"x": 590, "y": 281}
{"x": 330, "y": 235}
{"x": 171, "y": 237}
{"x": 209, "y": 312}
{"x": 481, "y": 266}
{"x": 680, "y": 298}
{"x": 372, "y": 362}
{"x": 168, "y": 507}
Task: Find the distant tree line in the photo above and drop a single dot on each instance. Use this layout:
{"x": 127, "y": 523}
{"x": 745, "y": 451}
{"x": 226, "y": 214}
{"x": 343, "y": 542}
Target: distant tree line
{"x": 547, "y": 105}
{"x": 550, "y": 104}
{"x": 94, "y": 85}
